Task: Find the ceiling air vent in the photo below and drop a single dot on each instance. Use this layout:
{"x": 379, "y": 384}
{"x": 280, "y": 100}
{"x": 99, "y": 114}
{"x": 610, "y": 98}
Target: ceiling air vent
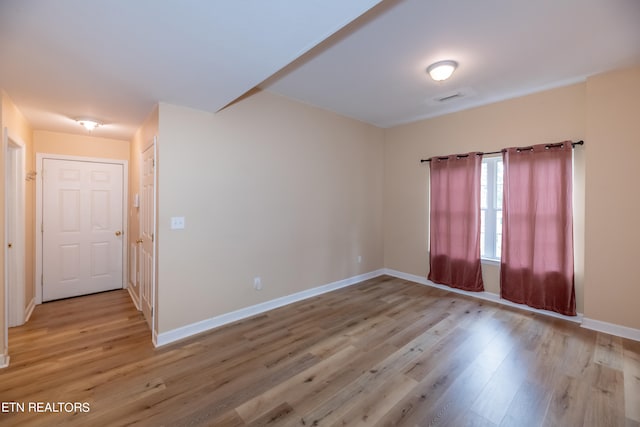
{"x": 449, "y": 97}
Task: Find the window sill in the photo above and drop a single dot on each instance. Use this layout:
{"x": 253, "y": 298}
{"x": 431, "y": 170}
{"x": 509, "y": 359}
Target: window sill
{"x": 488, "y": 261}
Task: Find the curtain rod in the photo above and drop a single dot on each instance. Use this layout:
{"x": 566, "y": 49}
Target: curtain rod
{"x": 573, "y": 144}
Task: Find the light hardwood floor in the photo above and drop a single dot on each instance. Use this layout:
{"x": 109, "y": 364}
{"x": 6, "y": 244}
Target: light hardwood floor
{"x": 383, "y": 352}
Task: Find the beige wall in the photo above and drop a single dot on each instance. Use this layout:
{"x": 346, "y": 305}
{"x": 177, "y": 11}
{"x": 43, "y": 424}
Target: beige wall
{"x": 80, "y": 145}
{"x": 140, "y": 141}
{"x": 603, "y": 111}
{"x": 549, "y": 116}
{"x": 18, "y": 127}
{"x": 612, "y": 282}
{"x": 271, "y": 188}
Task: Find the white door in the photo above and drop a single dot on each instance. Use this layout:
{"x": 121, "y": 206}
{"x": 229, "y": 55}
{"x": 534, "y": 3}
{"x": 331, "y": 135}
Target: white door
{"x": 14, "y": 232}
{"x": 82, "y": 227}
{"x": 10, "y": 202}
{"x": 147, "y": 232}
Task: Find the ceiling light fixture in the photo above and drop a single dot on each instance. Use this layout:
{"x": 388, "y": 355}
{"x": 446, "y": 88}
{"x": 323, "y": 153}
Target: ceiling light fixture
{"x": 442, "y": 70}
{"x": 89, "y": 124}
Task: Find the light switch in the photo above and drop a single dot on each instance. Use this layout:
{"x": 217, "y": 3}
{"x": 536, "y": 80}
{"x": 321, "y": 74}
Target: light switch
{"x": 177, "y": 222}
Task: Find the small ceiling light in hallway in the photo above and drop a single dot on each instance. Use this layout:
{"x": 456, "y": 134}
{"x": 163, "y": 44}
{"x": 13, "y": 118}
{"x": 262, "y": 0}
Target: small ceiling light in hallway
{"x": 442, "y": 70}
{"x": 89, "y": 124}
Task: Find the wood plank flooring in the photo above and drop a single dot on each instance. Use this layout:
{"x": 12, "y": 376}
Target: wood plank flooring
{"x": 385, "y": 352}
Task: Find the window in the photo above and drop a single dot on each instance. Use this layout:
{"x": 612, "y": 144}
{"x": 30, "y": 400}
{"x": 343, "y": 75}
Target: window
{"x": 491, "y": 208}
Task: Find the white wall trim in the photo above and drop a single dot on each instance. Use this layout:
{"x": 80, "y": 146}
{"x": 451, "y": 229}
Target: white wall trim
{"x": 489, "y": 296}
{"x": 223, "y": 319}
{"x": 596, "y": 325}
{"x": 611, "y": 328}
{"x": 4, "y": 361}
{"x": 29, "y": 310}
{"x": 183, "y": 332}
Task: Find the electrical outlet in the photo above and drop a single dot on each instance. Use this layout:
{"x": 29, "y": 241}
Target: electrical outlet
{"x": 359, "y": 259}
{"x": 257, "y": 283}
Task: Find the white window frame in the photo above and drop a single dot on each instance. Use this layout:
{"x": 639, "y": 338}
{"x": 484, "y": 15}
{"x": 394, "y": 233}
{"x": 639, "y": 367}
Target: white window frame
{"x": 488, "y": 246}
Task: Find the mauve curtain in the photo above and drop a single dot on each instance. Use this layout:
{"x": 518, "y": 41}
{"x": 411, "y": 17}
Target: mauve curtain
{"x": 537, "y": 234}
{"x": 454, "y": 258}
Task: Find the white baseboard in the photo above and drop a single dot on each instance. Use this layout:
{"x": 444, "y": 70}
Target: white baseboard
{"x": 183, "y": 332}
{"x": 29, "y": 310}
{"x": 4, "y": 360}
{"x": 217, "y": 321}
{"x": 489, "y": 296}
{"x": 611, "y": 328}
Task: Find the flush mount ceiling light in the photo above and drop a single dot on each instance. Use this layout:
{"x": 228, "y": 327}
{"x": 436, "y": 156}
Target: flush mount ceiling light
{"x": 89, "y": 124}
{"x": 441, "y": 70}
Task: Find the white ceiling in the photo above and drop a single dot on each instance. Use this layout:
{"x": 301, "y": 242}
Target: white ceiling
{"x": 375, "y": 71}
{"x": 115, "y": 59}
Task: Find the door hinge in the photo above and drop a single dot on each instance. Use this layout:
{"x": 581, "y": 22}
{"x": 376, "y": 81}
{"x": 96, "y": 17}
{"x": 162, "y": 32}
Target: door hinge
{"x": 41, "y": 279}
{"x": 153, "y": 237}
{"x": 42, "y": 227}
{"x": 152, "y": 311}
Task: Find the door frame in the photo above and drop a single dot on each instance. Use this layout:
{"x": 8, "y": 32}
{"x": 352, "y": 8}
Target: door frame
{"x": 152, "y": 143}
{"x": 38, "y": 225}
{"x": 14, "y": 150}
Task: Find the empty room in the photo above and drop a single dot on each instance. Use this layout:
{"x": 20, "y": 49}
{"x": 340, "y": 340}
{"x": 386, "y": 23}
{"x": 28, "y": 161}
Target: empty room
{"x": 320, "y": 213}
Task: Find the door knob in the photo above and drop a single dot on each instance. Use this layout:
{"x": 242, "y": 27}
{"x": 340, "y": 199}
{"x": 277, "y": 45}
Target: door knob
{"x": 139, "y": 241}
{"x": 10, "y": 245}
{"x": 118, "y": 233}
